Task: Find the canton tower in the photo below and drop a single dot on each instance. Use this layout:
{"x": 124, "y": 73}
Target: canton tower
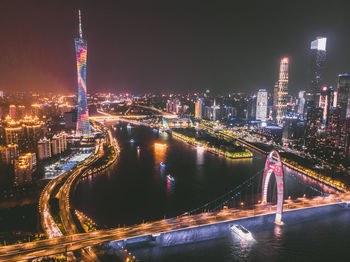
{"x": 83, "y": 124}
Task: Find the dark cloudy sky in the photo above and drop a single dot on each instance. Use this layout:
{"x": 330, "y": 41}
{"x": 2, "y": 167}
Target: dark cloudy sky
{"x": 179, "y": 46}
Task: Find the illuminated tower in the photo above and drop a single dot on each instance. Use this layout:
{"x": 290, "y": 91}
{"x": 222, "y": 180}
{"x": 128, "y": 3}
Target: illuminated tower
{"x": 83, "y": 124}
{"x": 282, "y": 94}
{"x": 318, "y": 62}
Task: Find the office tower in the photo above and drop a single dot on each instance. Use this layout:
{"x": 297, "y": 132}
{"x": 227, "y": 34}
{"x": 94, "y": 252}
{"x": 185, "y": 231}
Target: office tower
{"x": 343, "y": 89}
{"x": 301, "y": 102}
{"x": 318, "y": 62}
{"x": 326, "y": 100}
{"x": 261, "y": 105}
{"x": 251, "y": 108}
{"x": 313, "y": 125}
{"x": 83, "y": 124}
{"x": 282, "y": 94}
{"x": 198, "y": 109}
{"x": 214, "y": 111}
{"x": 293, "y": 130}
{"x": 275, "y": 98}
{"x": 333, "y": 126}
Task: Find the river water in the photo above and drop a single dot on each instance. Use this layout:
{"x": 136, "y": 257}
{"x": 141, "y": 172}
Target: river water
{"x": 137, "y": 189}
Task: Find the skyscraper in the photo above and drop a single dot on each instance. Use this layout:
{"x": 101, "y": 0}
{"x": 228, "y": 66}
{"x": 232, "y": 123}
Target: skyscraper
{"x": 282, "y": 95}
{"x": 301, "y": 102}
{"x": 318, "y": 62}
{"x": 83, "y": 124}
{"x": 198, "y": 109}
{"x": 343, "y": 89}
{"x": 261, "y": 105}
{"x": 343, "y": 104}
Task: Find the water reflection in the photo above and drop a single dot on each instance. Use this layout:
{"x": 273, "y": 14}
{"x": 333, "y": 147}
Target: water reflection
{"x": 159, "y": 153}
{"x": 277, "y": 232}
{"x": 170, "y": 185}
{"x": 200, "y": 156}
{"x": 240, "y": 248}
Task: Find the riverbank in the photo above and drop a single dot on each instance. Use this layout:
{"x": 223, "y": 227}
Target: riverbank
{"x": 205, "y": 145}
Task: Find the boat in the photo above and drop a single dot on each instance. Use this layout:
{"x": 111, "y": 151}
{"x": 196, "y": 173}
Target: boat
{"x": 242, "y": 232}
{"x": 138, "y": 148}
{"x": 128, "y": 126}
{"x": 132, "y": 140}
{"x": 162, "y": 164}
{"x": 170, "y": 178}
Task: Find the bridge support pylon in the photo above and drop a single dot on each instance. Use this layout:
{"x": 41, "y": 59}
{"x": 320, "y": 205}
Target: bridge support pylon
{"x": 273, "y": 165}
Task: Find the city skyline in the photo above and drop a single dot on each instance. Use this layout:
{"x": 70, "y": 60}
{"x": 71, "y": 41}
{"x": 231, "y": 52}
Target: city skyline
{"x": 168, "y": 52}
{"x": 202, "y": 131}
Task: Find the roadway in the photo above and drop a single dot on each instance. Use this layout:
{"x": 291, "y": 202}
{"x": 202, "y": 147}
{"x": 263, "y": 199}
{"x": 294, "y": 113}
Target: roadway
{"x": 73, "y": 242}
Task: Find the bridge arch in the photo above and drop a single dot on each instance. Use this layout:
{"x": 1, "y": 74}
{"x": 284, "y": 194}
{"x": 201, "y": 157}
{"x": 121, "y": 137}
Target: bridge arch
{"x": 273, "y": 165}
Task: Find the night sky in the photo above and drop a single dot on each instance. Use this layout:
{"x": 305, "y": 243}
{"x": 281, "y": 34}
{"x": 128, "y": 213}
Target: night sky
{"x": 169, "y": 46}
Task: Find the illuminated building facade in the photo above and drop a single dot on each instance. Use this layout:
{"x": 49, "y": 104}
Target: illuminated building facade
{"x": 313, "y": 126}
{"x": 318, "y": 62}
{"x": 24, "y": 167}
{"x": 198, "y": 109}
{"x": 261, "y": 105}
{"x": 59, "y": 143}
{"x": 83, "y": 124}
{"x": 9, "y": 153}
{"x": 12, "y": 111}
{"x": 343, "y": 89}
{"x": 44, "y": 149}
{"x": 301, "y": 102}
{"x": 282, "y": 95}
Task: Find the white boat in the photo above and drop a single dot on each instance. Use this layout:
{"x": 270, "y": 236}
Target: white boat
{"x": 242, "y": 232}
{"x": 162, "y": 164}
{"x": 132, "y": 140}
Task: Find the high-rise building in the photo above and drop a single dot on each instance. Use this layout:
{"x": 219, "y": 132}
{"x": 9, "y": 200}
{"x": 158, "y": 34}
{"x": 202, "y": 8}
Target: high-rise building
{"x": 261, "y": 105}
{"x": 318, "y": 63}
{"x": 198, "y": 109}
{"x": 12, "y": 111}
{"x": 83, "y": 124}
{"x": 44, "y": 149}
{"x": 59, "y": 143}
{"x": 343, "y": 89}
{"x": 251, "y": 108}
{"x": 9, "y": 153}
{"x": 24, "y": 166}
{"x": 313, "y": 126}
{"x": 275, "y": 100}
{"x": 214, "y": 110}
{"x": 301, "y": 102}
{"x": 333, "y": 127}
{"x": 282, "y": 96}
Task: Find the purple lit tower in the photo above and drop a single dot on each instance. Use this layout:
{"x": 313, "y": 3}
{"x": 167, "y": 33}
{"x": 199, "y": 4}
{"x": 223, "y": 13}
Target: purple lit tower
{"x": 83, "y": 124}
